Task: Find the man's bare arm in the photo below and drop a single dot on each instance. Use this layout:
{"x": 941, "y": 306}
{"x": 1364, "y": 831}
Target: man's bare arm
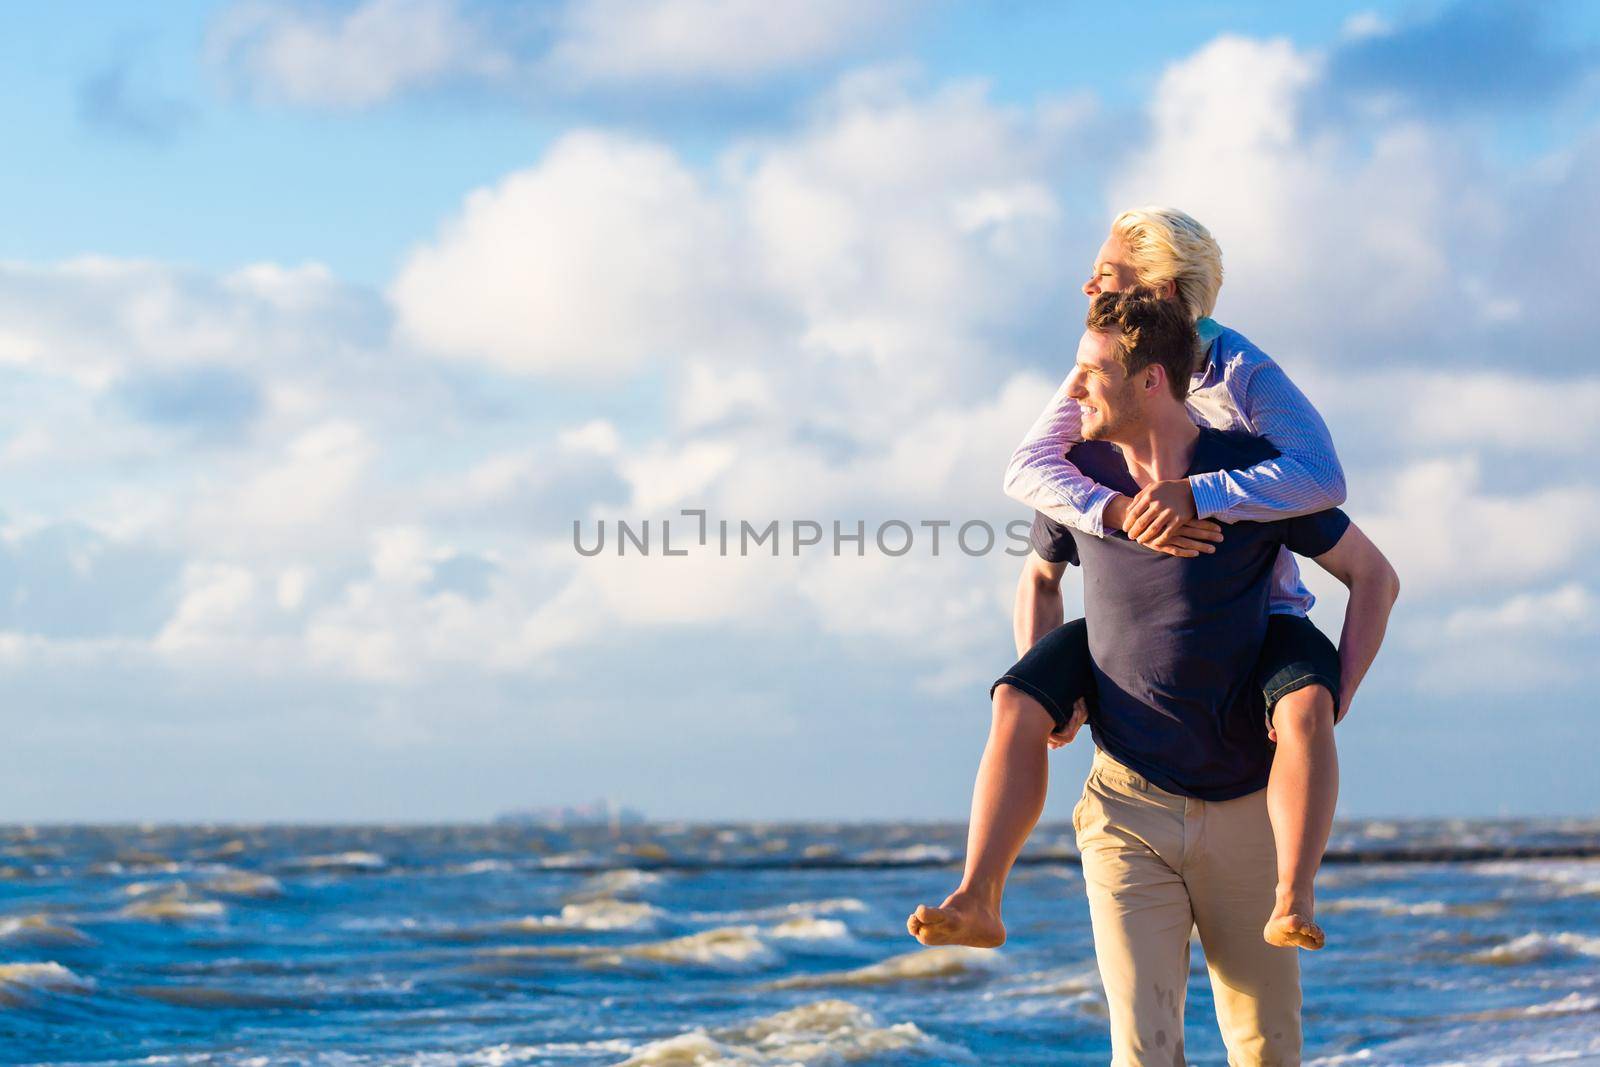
{"x": 1373, "y": 586}
{"x": 1037, "y": 609}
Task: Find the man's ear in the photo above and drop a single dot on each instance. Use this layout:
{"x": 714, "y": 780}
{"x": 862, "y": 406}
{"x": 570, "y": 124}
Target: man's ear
{"x": 1155, "y": 377}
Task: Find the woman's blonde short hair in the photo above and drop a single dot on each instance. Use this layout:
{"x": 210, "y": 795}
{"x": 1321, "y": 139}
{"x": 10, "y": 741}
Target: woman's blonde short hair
{"x": 1165, "y": 245}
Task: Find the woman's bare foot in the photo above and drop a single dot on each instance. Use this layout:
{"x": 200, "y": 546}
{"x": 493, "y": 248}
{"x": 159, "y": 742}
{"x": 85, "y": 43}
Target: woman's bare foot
{"x": 963, "y": 919}
{"x": 1291, "y": 925}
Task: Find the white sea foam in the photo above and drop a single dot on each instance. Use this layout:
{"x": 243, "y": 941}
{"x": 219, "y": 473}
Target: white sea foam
{"x": 1567, "y": 877}
{"x": 1498, "y": 1043}
{"x": 1571, "y": 1004}
{"x": 807, "y": 933}
{"x": 1537, "y": 945}
{"x": 625, "y": 881}
{"x": 173, "y": 909}
{"x": 232, "y": 883}
{"x": 946, "y": 961}
{"x": 830, "y": 906}
{"x": 600, "y": 914}
{"x": 19, "y": 979}
{"x": 560, "y": 860}
{"x": 825, "y": 1032}
{"x": 1053, "y": 983}
{"x": 40, "y": 929}
{"x": 490, "y": 866}
{"x": 724, "y": 947}
{"x": 1393, "y": 906}
{"x": 920, "y": 853}
{"x": 352, "y": 861}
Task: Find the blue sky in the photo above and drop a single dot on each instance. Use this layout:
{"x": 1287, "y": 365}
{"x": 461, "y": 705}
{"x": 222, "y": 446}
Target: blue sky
{"x": 321, "y": 323}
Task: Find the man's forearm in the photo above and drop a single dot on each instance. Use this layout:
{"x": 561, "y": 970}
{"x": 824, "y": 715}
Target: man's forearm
{"x": 1366, "y": 617}
{"x": 1038, "y": 609}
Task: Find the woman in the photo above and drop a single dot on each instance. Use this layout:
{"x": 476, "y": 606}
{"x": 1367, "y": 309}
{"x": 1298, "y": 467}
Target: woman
{"x": 1234, "y": 386}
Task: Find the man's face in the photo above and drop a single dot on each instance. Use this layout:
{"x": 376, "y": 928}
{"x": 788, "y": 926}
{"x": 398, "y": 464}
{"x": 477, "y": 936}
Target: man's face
{"x": 1111, "y": 272}
{"x": 1107, "y": 400}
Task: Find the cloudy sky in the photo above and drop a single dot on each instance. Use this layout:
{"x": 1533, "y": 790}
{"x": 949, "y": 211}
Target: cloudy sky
{"x": 320, "y": 324}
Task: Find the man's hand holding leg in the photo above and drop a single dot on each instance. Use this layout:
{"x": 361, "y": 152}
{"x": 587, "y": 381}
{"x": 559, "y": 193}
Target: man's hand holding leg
{"x": 1064, "y": 736}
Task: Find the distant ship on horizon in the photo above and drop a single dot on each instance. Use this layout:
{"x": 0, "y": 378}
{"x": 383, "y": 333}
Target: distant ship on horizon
{"x": 567, "y": 816}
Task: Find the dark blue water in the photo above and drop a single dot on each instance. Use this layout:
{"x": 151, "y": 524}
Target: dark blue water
{"x": 508, "y": 945}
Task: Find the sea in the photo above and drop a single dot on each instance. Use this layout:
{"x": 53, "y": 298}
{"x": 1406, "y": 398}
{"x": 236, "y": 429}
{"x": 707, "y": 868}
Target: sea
{"x": 1451, "y": 942}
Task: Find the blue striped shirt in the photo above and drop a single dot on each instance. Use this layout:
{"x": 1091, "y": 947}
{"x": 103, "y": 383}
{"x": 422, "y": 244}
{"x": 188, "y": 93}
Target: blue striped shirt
{"x": 1238, "y": 388}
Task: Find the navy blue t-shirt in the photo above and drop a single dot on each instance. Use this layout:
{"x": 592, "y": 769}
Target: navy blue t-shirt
{"x": 1175, "y": 641}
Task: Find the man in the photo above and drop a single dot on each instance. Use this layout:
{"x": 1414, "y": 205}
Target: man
{"x": 1173, "y": 824}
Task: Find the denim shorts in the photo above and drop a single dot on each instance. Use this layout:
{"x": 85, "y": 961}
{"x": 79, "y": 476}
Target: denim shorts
{"x": 1057, "y": 670}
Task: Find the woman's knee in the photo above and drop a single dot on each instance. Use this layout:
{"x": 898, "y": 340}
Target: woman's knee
{"x": 1018, "y": 712}
{"x": 1303, "y": 712}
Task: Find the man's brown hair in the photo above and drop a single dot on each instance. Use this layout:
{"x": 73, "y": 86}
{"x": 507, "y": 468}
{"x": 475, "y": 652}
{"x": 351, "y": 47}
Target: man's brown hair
{"x": 1148, "y": 329}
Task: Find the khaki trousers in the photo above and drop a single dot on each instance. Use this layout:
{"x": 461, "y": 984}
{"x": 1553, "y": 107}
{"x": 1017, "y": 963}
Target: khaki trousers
{"x": 1158, "y": 865}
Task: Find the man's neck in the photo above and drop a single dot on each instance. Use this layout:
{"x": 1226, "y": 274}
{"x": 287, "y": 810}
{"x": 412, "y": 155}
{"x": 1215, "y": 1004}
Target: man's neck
{"x": 1162, "y": 447}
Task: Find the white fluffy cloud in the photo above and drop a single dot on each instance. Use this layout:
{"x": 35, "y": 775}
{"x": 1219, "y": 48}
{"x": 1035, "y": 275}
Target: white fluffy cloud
{"x": 623, "y": 42}
{"x": 608, "y": 254}
{"x": 852, "y": 317}
{"x": 1373, "y": 234}
{"x": 307, "y": 54}
{"x": 888, "y": 248}
{"x": 318, "y": 54}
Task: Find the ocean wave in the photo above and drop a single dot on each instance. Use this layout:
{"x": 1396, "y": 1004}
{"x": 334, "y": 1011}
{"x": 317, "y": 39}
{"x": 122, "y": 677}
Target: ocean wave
{"x": 563, "y": 860}
{"x": 231, "y": 883}
{"x": 232, "y": 847}
{"x": 1538, "y": 945}
{"x": 40, "y": 929}
{"x": 353, "y": 862}
{"x": 1067, "y": 982}
{"x": 799, "y": 908}
{"x": 491, "y": 866}
{"x": 622, "y": 882}
{"x": 724, "y": 947}
{"x": 1578, "y": 878}
{"x": 733, "y": 948}
{"x": 1392, "y": 906}
{"x": 826, "y": 1032}
{"x": 18, "y": 980}
{"x": 1571, "y": 1004}
{"x": 946, "y": 961}
{"x": 591, "y": 915}
{"x": 920, "y": 853}
{"x": 174, "y": 909}
{"x": 807, "y": 933}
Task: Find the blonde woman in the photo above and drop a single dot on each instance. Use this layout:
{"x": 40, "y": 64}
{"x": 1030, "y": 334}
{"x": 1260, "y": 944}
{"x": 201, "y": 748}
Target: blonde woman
{"x": 1306, "y": 684}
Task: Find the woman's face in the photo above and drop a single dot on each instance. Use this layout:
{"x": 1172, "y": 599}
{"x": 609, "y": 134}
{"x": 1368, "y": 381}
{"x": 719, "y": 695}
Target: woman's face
{"x": 1112, "y": 272}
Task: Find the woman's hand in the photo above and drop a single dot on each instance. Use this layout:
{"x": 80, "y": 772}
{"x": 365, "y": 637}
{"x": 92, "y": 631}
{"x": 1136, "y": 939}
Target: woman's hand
{"x": 1135, "y": 516}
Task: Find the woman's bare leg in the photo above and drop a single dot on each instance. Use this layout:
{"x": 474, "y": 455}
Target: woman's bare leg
{"x": 1301, "y": 795}
{"x": 1007, "y": 800}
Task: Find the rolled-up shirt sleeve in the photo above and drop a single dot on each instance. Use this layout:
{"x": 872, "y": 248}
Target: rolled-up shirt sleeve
{"x": 1040, "y": 475}
{"x": 1052, "y": 541}
{"x": 1305, "y": 477}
